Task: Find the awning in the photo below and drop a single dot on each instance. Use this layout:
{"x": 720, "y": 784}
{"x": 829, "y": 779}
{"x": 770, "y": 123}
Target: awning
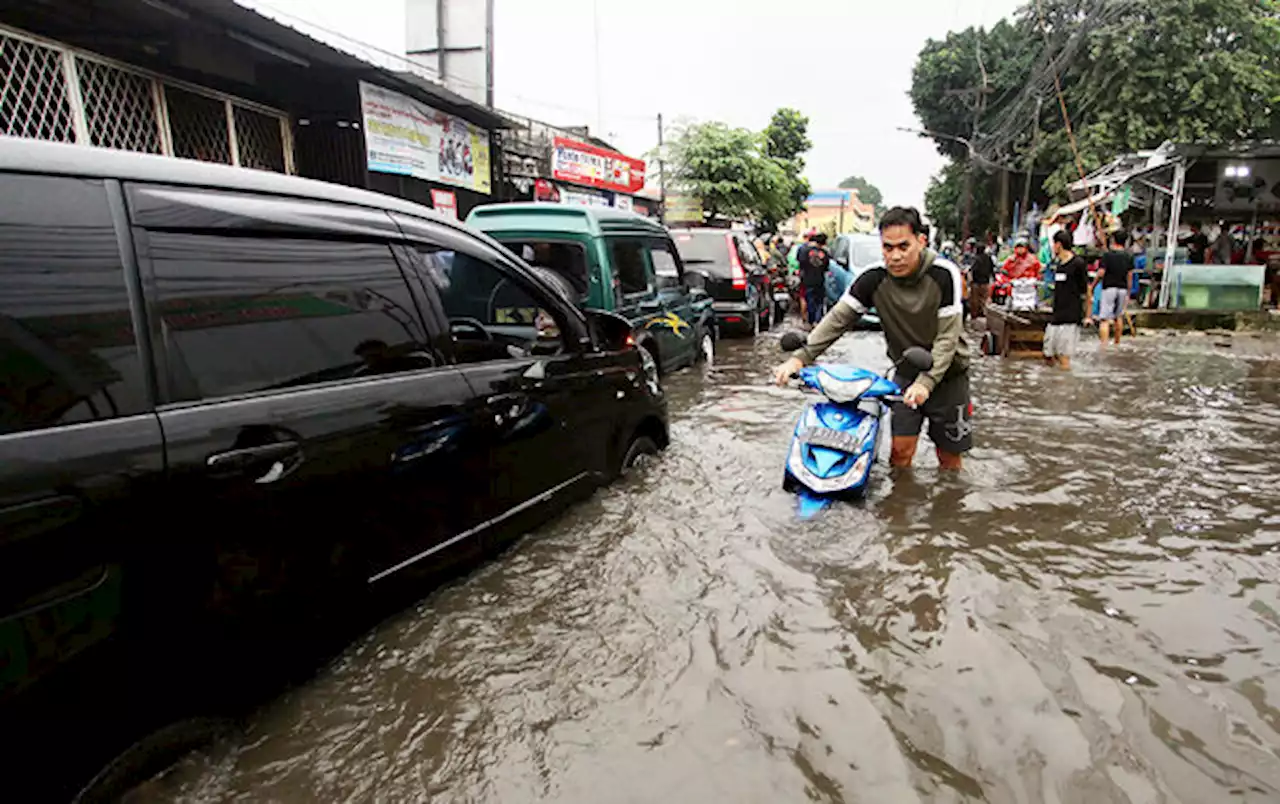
{"x": 1079, "y": 206}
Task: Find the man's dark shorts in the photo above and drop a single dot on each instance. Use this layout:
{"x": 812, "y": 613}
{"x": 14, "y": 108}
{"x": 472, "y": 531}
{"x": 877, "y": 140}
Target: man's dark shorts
{"x": 949, "y": 411}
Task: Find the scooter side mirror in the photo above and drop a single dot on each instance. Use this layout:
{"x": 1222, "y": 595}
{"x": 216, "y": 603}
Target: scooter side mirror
{"x": 917, "y": 358}
{"x": 791, "y": 341}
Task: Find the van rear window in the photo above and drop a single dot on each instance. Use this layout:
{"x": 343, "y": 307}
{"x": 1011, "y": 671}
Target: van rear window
{"x": 568, "y": 260}
{"x": 711, "y": 247}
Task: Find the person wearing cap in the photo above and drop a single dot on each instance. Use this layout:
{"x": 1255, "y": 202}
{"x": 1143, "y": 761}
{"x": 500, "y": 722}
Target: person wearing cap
{"x": 1022, "y": 264}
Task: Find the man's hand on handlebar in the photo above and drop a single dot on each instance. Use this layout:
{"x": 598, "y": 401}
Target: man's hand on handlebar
{"x": 916, "y": 395}
{"x": 782, "y": 374}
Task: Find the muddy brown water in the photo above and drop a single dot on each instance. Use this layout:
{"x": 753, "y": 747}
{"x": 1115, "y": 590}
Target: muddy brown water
{"x": 1088, "y": 613}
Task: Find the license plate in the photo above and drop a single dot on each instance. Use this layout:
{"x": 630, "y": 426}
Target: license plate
{"x": 831, "y": 439}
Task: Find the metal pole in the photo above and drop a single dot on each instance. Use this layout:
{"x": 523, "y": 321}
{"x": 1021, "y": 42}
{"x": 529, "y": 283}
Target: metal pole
{"x": 1031, "y": 159}
{"x": 662, "y": 177}
{"x": 488, "y": 53}
{"x": 595, "y": 21}
{"x": 440, "y": 59}
{"x": 1171, "y": 237}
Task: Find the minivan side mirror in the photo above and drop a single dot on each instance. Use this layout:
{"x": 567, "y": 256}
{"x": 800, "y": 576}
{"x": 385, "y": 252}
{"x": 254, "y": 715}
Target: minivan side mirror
{"x": 693, "y": 280}
{"x": 610, "y": 331}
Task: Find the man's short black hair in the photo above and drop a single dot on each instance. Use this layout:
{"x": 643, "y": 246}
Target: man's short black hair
{"x": 820, "y": 238}
{"x": 1119, "y": 237}
{"x": 1063, "y": 238}
{"x": 903, "y": 216}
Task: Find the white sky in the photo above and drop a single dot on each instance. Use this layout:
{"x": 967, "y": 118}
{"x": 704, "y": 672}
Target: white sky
{"x": 845, "y": 63}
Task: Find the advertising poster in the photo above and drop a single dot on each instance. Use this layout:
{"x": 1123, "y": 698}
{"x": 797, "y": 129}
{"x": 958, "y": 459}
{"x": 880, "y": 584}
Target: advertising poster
{"x": 582, "y": 163}
{"x": 407, "y": 137}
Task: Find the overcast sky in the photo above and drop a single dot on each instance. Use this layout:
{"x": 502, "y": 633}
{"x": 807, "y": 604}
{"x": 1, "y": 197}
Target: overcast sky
{"x": 845, "y": 63}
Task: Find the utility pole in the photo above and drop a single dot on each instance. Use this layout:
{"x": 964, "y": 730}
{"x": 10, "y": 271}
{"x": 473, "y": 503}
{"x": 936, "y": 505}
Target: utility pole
{"x": 979, "y": 103}
{"x": 1031, "y": 158}
{"x": 662, "y": 177}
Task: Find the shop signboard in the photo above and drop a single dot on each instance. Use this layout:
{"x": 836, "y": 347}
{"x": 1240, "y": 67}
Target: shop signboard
{"x": 409, "y": 138}
{"x": 585, "y": 164}
{"x": 623, "y": 202}
{"x": 445, "y": 202}
{"x": 683, "y": 209}
{"x": 584, "y": 198}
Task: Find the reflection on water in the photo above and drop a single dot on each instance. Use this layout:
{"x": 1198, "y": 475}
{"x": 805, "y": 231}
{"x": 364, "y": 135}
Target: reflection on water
{"x": 1088, "y": 613}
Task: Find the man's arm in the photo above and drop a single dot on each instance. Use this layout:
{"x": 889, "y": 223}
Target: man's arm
{"x": 950, "y": 327}
{"x": 843, "y": 317}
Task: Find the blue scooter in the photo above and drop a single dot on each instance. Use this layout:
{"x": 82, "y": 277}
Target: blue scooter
{"x": 835, "y": 441}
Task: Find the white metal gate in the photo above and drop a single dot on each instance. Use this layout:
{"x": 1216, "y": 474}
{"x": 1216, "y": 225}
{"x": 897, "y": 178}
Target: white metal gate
{"x": 49, "y": 91}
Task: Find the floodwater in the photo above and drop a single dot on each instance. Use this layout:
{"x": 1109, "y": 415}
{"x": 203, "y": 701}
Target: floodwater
{"x": 1088, "y": 613}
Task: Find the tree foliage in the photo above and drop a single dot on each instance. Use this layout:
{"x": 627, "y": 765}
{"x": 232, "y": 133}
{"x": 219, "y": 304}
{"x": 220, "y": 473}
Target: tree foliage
{"x": 868, "y": 193}
{"x": 1136, "y": 74}
{"x": 738, "y": 173}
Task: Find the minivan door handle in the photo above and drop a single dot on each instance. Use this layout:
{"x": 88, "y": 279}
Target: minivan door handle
{"x": 266, "y": 462}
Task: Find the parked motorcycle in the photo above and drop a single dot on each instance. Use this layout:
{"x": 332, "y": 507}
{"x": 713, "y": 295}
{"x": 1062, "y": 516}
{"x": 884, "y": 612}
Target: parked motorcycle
{"x": 835, "y": 441}
{"x": 781, "y": 291}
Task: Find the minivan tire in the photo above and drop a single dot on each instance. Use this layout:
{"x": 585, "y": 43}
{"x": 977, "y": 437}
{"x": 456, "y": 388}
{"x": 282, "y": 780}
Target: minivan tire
{"x": 640, "y": 446}
{"x": 704, "y": 352}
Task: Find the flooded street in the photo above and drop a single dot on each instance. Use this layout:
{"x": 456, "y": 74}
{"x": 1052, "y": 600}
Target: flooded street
{"x": 1088, "y": 613}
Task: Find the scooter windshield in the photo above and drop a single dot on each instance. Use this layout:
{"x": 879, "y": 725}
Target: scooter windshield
{"x": 846, "y": 383}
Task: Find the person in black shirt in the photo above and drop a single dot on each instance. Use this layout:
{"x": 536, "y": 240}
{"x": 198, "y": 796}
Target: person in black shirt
{"x": 980, "y": 276}
{"x": 1197, "y": 244}
{"x": 1070, "y": 287}
{"x": 813, "y": 277}
{"x": 1116, "y": 279}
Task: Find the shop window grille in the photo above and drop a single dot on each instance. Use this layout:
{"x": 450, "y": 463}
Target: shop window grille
{"x": 119, "y": 107}
{"x": 33, "y": 96}
{"x": 259, "y": 140}
{"x": 198, "y": 126}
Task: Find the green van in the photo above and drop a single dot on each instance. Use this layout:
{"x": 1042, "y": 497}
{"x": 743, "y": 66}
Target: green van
{"x": 608, "y": 259}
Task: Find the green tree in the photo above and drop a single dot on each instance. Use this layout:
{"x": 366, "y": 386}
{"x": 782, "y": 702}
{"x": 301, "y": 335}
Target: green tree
{"x": 728, "y": 170}
{"x": 1134, "y": 76}
{"x": 786, "y": 141}
{"x": 944, "y": 201}
{"x": 868, "y": 193}
{"x": 1193, "y": 71}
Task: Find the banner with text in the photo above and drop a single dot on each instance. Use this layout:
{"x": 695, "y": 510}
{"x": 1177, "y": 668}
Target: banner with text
{"x": 582, "y": 163}
{"x": 410, "y": 138}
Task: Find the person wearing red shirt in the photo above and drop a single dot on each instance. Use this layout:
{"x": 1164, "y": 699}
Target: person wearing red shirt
{"x": 1022, "y": 264}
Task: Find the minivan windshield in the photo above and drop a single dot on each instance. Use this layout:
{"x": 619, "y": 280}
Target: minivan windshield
{"x": 710, "y": 247}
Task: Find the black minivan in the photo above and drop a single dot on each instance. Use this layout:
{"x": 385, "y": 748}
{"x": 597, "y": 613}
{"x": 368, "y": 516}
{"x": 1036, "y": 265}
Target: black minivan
{"x": 735, "y": 277}
{"x": 233, "y": 404}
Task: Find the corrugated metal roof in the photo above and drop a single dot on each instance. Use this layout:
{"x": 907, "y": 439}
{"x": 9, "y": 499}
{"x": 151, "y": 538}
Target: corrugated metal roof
{"x": 292, "y": 39}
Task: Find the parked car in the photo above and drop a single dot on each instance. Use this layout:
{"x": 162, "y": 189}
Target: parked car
{"x": 235, "y": 403}
{"x": 852, "y": 254}
{"x": 616, "y": 261}
{"x": 735, "y": 277}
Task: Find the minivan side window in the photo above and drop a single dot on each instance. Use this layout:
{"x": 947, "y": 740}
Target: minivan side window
{"x": 627, "y": 256}
{"x": 665, "y": 268}
{"x": 66, "y": 337}
{"x": 243, "y": 315}
{"x": 493, "y": 314}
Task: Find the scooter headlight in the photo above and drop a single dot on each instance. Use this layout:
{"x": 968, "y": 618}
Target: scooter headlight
{"x": 838, "y": 390}
{"x": 826, "y": 485}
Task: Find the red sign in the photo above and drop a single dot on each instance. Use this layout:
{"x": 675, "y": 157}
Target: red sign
{"x": 581, "y": 163}
{"x": 445, "y": 202}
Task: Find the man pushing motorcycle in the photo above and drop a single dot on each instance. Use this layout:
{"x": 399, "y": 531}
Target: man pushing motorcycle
{"x": 917, "y": 295}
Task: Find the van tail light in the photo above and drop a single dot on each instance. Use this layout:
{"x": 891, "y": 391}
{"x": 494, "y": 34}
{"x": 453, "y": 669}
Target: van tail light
{"x": 631, "y": 341}
{"x": 735, "y": 265}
